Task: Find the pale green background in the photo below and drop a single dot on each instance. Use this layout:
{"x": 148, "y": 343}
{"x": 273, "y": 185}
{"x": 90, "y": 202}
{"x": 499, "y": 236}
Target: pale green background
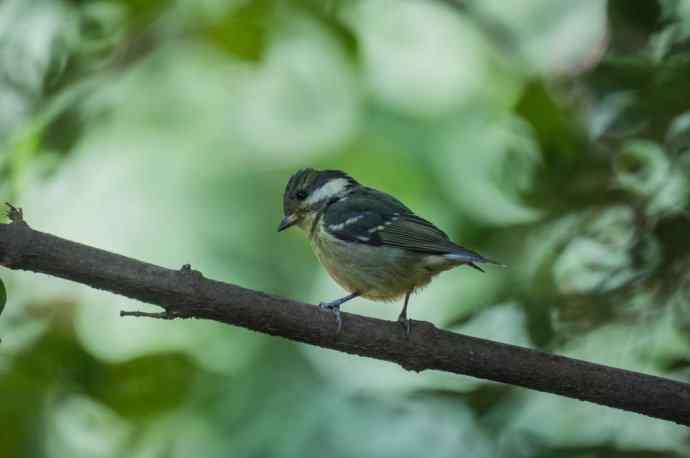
{"x": 552, "y": 135}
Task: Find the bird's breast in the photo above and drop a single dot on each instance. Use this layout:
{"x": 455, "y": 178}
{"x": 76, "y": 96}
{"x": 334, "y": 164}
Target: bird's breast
{"x": 376, "y": 272}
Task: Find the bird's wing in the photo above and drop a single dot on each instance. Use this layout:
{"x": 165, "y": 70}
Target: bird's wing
{"x": 377, "y": 219}
{"x": 415, "y": 234}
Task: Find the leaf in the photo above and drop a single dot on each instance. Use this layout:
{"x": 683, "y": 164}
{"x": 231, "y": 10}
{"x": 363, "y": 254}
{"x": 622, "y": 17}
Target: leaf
{"x": 3, "y": 296}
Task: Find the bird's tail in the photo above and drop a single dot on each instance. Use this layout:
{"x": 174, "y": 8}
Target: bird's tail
{"x": 472, "y": 259}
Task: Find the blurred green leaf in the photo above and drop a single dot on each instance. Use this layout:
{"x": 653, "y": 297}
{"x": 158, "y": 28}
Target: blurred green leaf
{"x": 3, "y": 296}
{"x": 243, "y": 31}
{"x": 642, "y": 167}
{"x": 144, "y": 386}
{"x": 678, "y": 135}
{"x": 557, "y": 127}
{"x": 489, "y": 187}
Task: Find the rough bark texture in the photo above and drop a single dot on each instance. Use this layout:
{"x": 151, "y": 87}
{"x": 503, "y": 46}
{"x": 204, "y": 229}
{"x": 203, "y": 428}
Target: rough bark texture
{"x": 185, "y": 293}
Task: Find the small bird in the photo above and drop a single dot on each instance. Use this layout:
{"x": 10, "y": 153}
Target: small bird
{"x": 369, "y": 242}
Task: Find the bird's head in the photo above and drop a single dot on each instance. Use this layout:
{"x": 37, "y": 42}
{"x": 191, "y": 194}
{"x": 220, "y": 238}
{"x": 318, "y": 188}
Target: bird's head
{"x": 308, "y": 191}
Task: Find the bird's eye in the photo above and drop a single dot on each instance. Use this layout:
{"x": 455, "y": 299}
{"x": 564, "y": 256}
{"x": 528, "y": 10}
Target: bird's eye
{"x": 301, "y": 195}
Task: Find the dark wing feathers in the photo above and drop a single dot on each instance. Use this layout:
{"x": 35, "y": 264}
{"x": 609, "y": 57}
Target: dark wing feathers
{"x": 376, "y": 218}
{"x": 358, "y": 229}
{"x": 416, "y": 234}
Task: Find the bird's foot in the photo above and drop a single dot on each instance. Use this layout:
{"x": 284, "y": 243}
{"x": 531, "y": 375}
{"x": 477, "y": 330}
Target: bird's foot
{"x": 333, "y": 307}
{"x": 406, "y": 325}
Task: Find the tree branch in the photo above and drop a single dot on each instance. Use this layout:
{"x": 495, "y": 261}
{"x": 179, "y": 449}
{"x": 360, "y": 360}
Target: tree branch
{"x": 185, "y": 293}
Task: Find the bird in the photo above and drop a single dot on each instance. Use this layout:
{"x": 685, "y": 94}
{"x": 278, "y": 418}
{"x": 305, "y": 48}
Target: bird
{"x": 369, "y": 242}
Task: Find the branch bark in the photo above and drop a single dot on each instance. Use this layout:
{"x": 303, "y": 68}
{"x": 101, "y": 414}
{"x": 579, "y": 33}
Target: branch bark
{"x": 185, "y": 293}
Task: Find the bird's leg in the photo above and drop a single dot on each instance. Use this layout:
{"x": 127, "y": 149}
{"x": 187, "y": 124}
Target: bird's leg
{"x": 402, "y": 319}
{"x": 334, "y": 306}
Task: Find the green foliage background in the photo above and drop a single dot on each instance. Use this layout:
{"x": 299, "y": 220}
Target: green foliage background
{"x": 553, "y": 135}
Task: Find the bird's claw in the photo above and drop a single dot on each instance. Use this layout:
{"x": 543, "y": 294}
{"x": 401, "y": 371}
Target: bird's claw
{"x": 335, "y": 309}
{"x": 405, "y": 323}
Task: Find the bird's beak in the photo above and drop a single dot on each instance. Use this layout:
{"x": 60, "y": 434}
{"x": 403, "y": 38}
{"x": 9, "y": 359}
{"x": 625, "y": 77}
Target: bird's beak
{"x": 289, "y": 220}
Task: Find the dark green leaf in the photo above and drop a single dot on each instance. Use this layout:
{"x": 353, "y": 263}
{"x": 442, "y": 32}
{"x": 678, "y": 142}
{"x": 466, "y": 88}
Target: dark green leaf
{"x": 3, "y": 296}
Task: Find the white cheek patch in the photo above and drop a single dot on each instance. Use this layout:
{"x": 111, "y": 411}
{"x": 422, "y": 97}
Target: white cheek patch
{"x": 328, "y": 190}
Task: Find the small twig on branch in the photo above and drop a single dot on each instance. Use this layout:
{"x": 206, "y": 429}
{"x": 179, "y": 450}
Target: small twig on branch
{"x": 185, "y": 293}
{"x": 159, "y": 315}
{"x": 16, "y": 215}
